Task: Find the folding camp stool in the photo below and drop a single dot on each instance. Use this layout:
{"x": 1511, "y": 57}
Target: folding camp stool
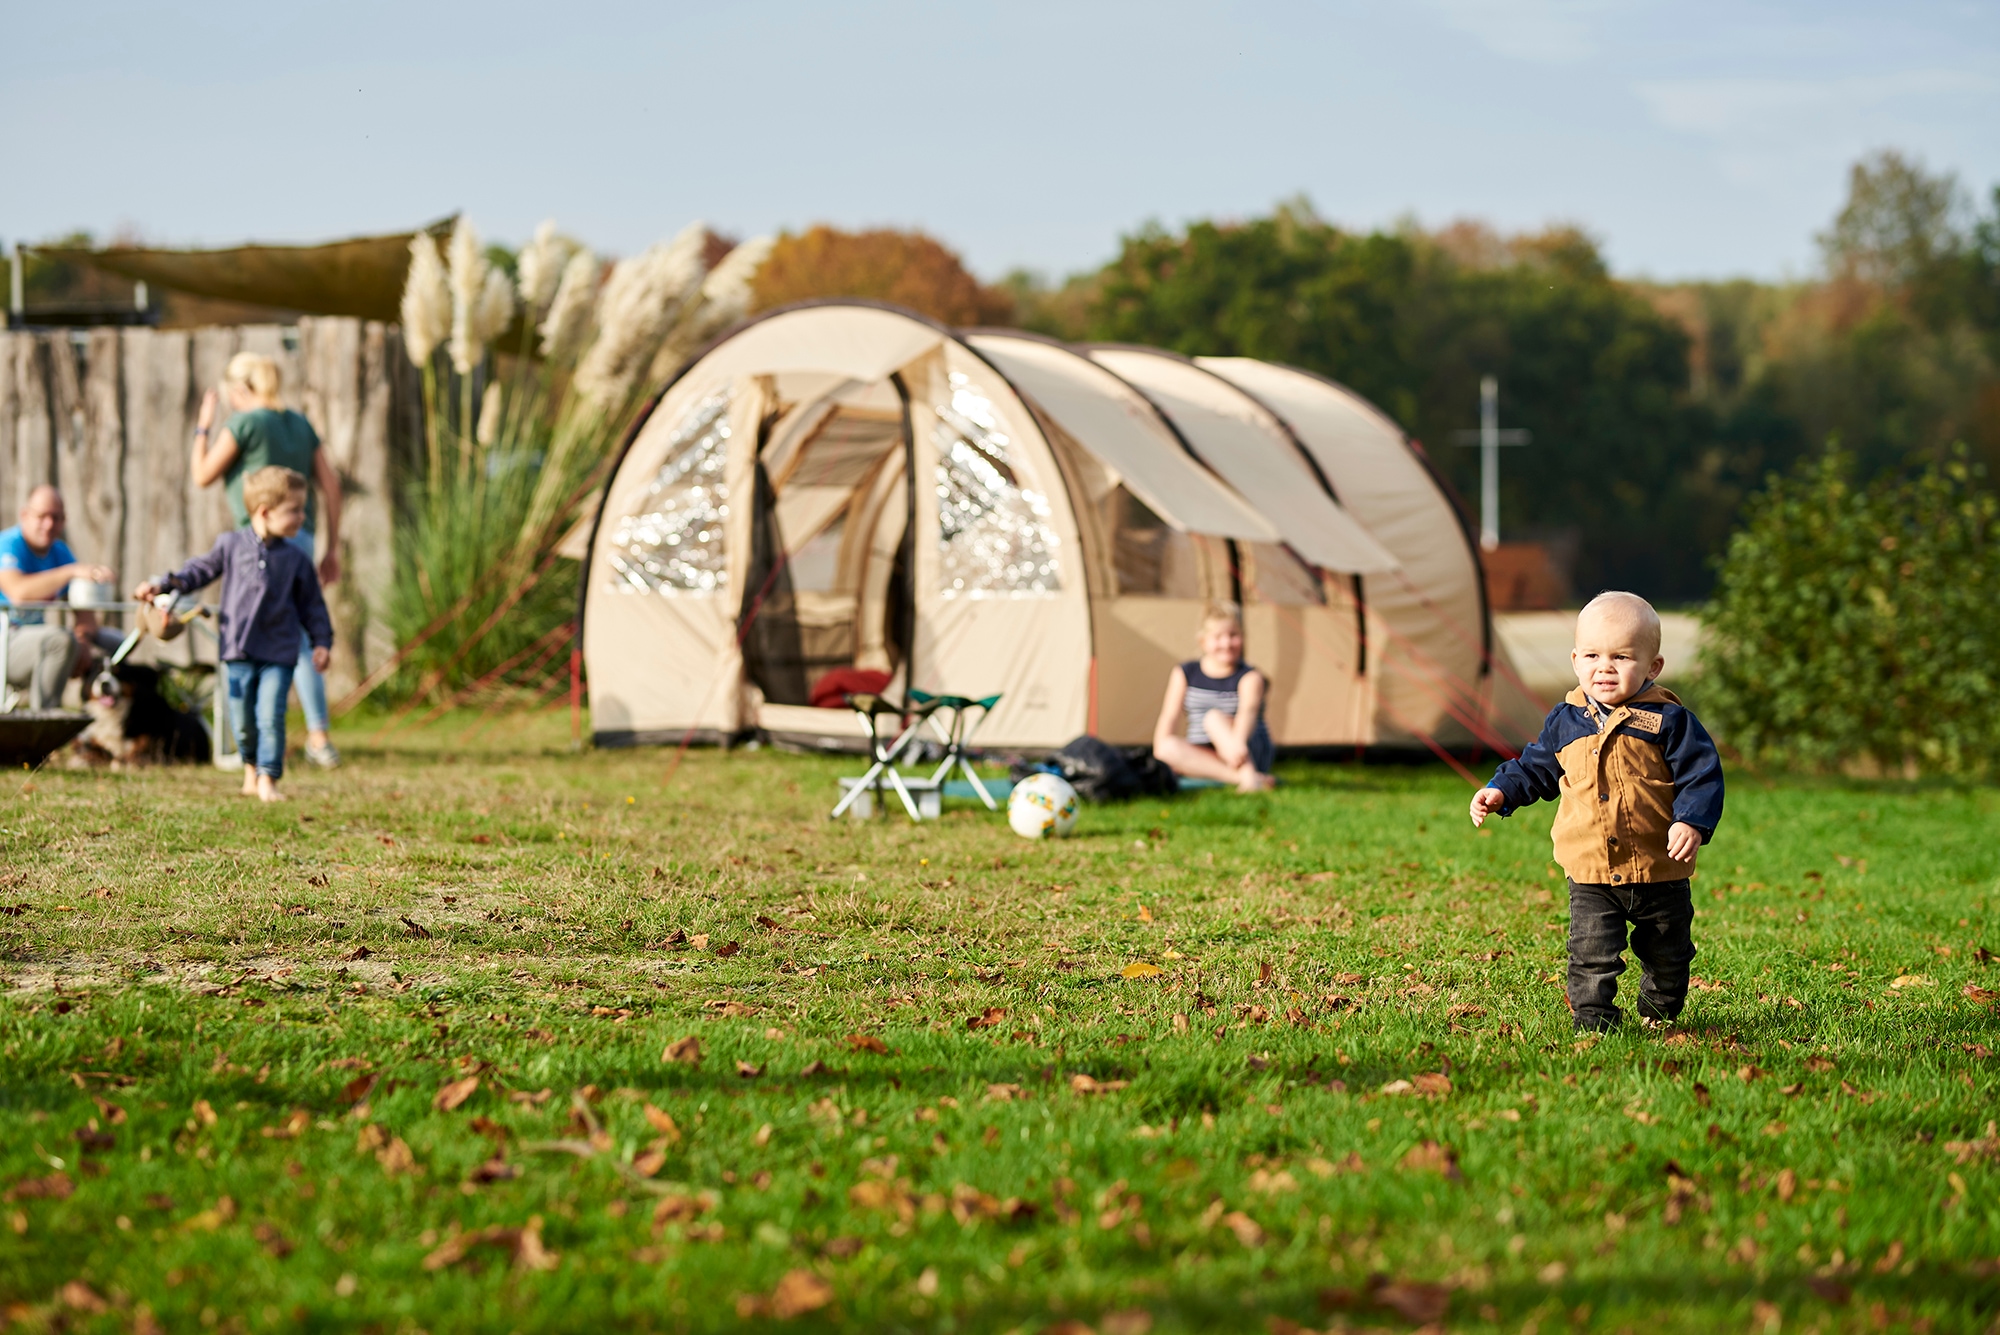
{"x": 887, "y": 752}
{"x": 952, "y": 719}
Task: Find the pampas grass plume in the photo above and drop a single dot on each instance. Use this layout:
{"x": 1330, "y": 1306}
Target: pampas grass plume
{"x": 725, "y": 299}
{"x": 468, "y": 268}
{"x": 426, "y": 300}
{"x": 495, "y": 309}
{"x": 642, "y": 299}
{"x": 568, "y": 320}
{"x": 541, "y": 268}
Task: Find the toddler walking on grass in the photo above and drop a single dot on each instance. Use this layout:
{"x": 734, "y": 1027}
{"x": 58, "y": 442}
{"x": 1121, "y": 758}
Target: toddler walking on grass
{"x": 270, "y": 595}
{"x": 1640, "y": 790}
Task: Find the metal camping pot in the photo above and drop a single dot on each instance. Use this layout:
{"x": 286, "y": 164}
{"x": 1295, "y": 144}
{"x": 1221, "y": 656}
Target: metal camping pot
{"x": 91, "y": 593}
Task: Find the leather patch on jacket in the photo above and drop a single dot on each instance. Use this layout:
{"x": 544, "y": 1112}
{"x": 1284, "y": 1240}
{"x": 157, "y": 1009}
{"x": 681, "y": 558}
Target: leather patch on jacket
{"x": 1645, "y": 720}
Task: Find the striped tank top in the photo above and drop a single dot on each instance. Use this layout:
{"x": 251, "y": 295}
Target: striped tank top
{"x": 1205, "y": 693}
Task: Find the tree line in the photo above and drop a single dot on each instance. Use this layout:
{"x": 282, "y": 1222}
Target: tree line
{"x": 1656, "y": 409}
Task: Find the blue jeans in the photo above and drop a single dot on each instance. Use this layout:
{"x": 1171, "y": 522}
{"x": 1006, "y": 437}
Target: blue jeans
{"x": 258, "y": 694}
{"x": 312, "y": 686}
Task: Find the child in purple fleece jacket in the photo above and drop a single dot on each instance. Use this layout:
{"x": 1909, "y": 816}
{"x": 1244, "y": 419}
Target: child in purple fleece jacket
{"x": 269, "y": 592}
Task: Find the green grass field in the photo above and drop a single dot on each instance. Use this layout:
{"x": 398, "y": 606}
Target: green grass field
{"x": 397, "y": 1056}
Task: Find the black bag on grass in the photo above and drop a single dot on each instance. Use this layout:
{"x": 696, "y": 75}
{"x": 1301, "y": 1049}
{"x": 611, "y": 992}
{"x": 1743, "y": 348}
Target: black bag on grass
{"x": 1101, "y": 772}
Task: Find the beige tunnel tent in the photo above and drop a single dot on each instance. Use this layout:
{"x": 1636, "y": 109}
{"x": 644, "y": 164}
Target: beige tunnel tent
{"x": 1073, "y": 509}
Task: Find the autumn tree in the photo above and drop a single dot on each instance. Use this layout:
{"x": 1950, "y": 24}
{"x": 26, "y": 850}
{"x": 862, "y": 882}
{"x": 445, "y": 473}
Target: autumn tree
{"x": 904, "y": 268}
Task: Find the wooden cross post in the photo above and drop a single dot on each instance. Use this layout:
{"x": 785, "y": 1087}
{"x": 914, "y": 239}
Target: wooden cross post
{"x": 1489, "y": 438}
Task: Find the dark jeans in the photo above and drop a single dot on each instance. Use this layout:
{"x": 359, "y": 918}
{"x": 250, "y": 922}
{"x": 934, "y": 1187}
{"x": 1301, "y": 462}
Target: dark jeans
{"x": 257, "y": 698}
{"x": 1661, "y": 917}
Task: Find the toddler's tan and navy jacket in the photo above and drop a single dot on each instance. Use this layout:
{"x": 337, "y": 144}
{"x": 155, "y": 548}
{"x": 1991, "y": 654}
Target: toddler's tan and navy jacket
{"x": 1624, "y": 776}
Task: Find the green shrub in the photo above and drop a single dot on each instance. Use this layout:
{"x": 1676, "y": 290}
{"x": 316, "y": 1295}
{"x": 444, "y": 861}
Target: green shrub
{"x": 1856, "y": 627}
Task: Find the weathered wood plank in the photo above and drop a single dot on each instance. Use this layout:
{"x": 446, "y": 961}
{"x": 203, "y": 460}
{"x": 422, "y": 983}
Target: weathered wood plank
{"x": 361, "y": 599}
{"x": 9, "y": 406}
{"x": 159, "y": 405}
{"x": 33, "y": 460}
{"x": 90, "y": 462}
{"x": 208, "y": 511}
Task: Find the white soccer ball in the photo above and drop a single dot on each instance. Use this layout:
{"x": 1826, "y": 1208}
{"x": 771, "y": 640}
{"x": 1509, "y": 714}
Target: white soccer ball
{"x": 1042, "y": 806}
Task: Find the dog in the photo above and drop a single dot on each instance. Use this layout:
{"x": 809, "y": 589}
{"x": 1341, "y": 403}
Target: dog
{"x": 131, "y": 723}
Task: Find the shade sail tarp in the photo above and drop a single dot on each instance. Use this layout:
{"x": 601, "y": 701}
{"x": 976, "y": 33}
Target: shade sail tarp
{"x": 361, "y": 277}
{"x": 1254, "y": 453}
{"x": 1116, "y": 424}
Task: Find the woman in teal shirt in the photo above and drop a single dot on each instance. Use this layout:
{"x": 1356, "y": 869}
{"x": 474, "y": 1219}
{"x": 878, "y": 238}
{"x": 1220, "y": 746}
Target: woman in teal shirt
{"x": 261, "y": 432}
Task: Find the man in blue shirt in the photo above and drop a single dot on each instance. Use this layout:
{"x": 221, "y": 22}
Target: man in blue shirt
{"x": 36, "y": 566}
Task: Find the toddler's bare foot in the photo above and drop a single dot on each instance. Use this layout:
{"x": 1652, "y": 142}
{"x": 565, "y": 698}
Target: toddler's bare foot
{"x": 249, "y": 782}
{"x": 267, "y": 789}
{"x": 1249, "y": 780}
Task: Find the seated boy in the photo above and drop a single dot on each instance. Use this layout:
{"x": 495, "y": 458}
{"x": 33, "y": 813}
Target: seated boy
{"x": 1641, "y": 792}
{"x": 270, "y": 596}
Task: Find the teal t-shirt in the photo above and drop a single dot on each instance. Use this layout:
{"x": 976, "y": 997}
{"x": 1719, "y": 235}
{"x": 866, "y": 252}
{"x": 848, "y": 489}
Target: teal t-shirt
{"x": 267, "y": 436}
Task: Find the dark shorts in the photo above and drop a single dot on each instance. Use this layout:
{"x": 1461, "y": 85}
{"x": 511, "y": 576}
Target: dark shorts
{"x": 1657, "y": 921}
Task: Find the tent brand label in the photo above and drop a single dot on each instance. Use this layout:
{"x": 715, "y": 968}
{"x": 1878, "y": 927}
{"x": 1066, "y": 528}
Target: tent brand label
{"x": 1645, "y": 720}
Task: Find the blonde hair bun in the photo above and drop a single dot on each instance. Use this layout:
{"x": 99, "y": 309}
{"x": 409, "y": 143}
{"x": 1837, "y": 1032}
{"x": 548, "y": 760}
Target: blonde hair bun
{"x": 1221, "y": 609}
{"x": 256, "y": 373}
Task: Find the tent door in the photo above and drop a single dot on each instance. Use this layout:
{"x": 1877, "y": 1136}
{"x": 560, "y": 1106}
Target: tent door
{"x": 829, "y": 530}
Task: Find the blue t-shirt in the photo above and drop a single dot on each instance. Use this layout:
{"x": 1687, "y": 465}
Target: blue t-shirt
{"x": 16, "y": 554}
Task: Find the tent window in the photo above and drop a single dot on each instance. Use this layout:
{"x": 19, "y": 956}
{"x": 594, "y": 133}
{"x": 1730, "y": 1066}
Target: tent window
{"x": 1149, "y": 557}
{"x": 994, "y": 533}
{"x": 673, "y": 543}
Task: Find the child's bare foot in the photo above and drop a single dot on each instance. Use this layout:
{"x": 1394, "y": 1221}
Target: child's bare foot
{"x": 1250, "y": 780}
{"x": 267, "y": 789}
{"x": 249, "y": 781}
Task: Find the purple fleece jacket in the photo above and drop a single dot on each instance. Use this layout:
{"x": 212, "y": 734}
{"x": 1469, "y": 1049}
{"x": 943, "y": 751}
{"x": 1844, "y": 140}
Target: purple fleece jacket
{"x": 269, "y": 591}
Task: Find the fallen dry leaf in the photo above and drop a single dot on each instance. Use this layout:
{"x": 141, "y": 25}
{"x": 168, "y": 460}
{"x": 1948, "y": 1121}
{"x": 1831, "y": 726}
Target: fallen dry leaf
{"x": 1911, "y": 980}
{"x": 1818, "y": 1063}
{"x": 866, "y": 1043}
{"x": 658, "y": 1119}
{"x": 204, "y": 1112}
{"x": 799, "y": 1292}
{"x": 993, "y": 1015}
{"x": 1084, "y": 1084}
{"x": 1787, "y": 1184}
{"x": 1140, "y": 969}
{"x": 680, "y": 1209}
{"x": 396, "y": 1159}
{"x": 453, "y": 1095}
{"x": 214, "y": 1217}
{"x": 358, "y": 953}
{"x": 1434, "y": 1084}
{"x": 1002, "y": 1093}
{"x": 731, "y": 1010}
{"x": 80, "y": 1297}
{"x": 686, "y": 1051}
{"x": 1982, "y": 995}
{"x": 292, "y": 1128}
{"x": 1413, "y": 1300}
{"x": 1247, "y": 1230}
{"x": 54, "y": 1187}
{"x": 728, "y": 948}
{"x": 747, "y": 1071}
{"x": 1429, "y": 1156}
{"x": 1747, "y": 1074}
{"x": 524, "y": 1243}
{"x": 413, "y": 928}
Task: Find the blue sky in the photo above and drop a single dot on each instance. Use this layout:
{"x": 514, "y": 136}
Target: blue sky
{"x": 1692, "y": 138}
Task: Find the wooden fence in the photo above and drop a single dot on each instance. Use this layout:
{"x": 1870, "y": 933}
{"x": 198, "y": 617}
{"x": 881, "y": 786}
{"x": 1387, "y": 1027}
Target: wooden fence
{"x": 107, "y": 416}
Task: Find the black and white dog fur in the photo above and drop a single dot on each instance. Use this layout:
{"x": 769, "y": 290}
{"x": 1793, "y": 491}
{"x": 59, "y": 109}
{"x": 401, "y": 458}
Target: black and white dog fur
{"x": 131, "y": 723}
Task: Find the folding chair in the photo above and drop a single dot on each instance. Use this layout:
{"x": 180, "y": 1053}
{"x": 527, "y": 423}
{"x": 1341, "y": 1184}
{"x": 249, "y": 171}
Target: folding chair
{"x": 872, "y": 709}
{"x": 957, "y": 734}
